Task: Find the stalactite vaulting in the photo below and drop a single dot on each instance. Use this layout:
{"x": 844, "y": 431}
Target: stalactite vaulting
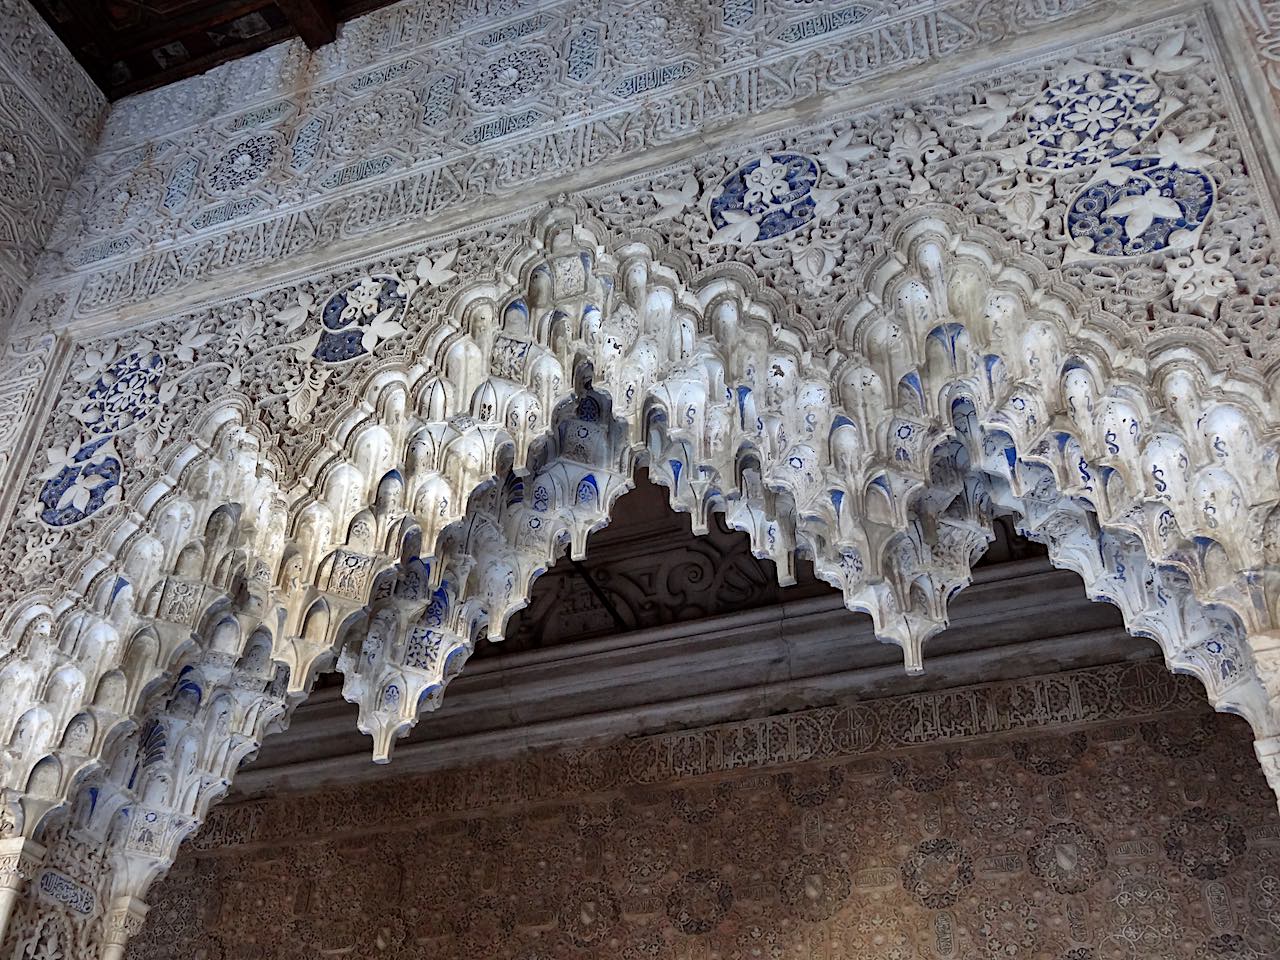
{"x": 1046, "y": 292}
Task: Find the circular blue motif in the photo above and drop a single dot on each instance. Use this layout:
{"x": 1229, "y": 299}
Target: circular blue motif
{"x": 123, "y": 394}
{"x": 775, "y": 190}
{"x": 1091, "y": 117}
{"x": 1139, "y": 208}
{"x": 371, "y": 304}
{"x": 81, "y": 488}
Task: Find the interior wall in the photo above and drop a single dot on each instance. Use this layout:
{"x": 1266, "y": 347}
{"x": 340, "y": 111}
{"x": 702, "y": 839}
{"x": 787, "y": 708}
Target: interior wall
{"x": 1089, "y": 815}
{"x": 50, "y": 113}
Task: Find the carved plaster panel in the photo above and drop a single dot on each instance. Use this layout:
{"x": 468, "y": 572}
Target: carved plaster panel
{"x": 49, "y": 117}
{"x": 409, "y": 116}
{"x": 1047, "y": 294}
{"x": 1148, "y": 831}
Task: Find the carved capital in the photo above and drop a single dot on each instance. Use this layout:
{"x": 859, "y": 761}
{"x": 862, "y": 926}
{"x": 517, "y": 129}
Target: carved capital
{"x": 20, "y": 859}
{"x": 124, "y": 919}
{"x": 1266, "y": 654}
{"x": 1268, "y": 752}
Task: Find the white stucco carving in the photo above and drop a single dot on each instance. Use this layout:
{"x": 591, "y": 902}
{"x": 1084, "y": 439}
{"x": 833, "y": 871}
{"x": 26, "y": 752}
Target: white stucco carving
{"x": 49, "y": 117}
{"x": 1045, "y": 291}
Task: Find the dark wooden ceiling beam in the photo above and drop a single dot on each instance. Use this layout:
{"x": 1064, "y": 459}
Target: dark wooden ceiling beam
{"x": 313, "y": 19}
{"x": 161, "y": 31}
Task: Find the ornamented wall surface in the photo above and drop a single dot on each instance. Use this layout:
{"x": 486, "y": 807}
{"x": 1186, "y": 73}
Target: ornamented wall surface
{"x": 351, "y": 348}
{"x": 1100, "y": 815}
{"x": 50, "y": 113}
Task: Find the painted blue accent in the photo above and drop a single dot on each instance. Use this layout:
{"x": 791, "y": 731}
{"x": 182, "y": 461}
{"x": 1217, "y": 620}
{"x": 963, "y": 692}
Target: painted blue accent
{"x": 588, "y": 492}
{"x": 912, "y": 380}
{"x": 518, "y": 307}
{"x": 453, "y": 663}
{"x": 1088, "y": 220}
{"x": 947, "y": 334}
{"x": 743, "y": 393}
{"x": 152, "y": 746}
{"x": 344, "y": 319}
{"x": 782, "y": 205}
{"x": 428, "y": 693}
{"x": 837, "y": 500}
{"x": 104, "y": 475}
{"x": 124, "y": 394}
{"x": 438, "y": 608}
{"x": 676, "y": 466}
{"x": 1060, "y": 124}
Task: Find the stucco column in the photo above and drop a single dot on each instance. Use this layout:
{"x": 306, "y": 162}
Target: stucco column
{"x": 1266, "y": 655}
{"x": 1268, "y": 751}
{"x": 123, "y": 920}
{"x": 20, "y": 858}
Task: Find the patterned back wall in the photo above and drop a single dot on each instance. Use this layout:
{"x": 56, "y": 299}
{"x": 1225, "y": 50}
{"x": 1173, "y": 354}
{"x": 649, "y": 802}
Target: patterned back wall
{"x": 1099, "y": 815}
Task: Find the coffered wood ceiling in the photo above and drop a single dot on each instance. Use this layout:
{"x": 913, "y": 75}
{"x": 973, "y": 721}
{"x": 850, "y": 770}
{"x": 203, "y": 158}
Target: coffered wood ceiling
{"x": 132, "y": 45}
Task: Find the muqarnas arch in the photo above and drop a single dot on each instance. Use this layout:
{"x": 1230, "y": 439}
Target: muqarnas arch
{"x": 471, "y": 430}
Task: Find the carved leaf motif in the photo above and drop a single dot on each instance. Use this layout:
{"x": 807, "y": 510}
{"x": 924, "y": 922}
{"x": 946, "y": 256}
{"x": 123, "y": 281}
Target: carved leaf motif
{"x": 1140, "y": 211}
{"x": 59, "y": 459}
{"x": 96, "y": 361}
{"x": 991, "y": 116}
{"x": 383, "y": 327}
{"x": 192, "y": 340}
{"x": 1166, "y": 58}
{"x": 437, "y": 272}
{"x": 295, "y": 316}
{"x": 672, "y": 203}
{"x": 1185, "y": 153}
{"x": 841, "y": 154}
{"x": 826, "y": 203}
{"x": 305, "y": 389}
{"x": 304, "y": 348}
{"x": 741, "y": 229}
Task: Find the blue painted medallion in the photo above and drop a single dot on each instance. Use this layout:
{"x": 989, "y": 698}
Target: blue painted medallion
{"x": 774, "y": 190}
{"x": 1140, "y": 206}
{"x": 1091, "y": 117}
{"x": 357, "y": 317}
{"x": 83, "y": 486}
{"x": 124, "y": 393}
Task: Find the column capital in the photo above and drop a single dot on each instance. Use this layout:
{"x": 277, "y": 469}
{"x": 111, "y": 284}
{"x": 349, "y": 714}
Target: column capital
{"x": 1268, "y": 751}
{"x": 124, "y": 919}
{"x": 20, "y": 859}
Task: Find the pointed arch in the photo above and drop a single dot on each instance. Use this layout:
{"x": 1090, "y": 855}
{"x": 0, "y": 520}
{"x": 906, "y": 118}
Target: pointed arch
{"x": 963, "y": 382}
